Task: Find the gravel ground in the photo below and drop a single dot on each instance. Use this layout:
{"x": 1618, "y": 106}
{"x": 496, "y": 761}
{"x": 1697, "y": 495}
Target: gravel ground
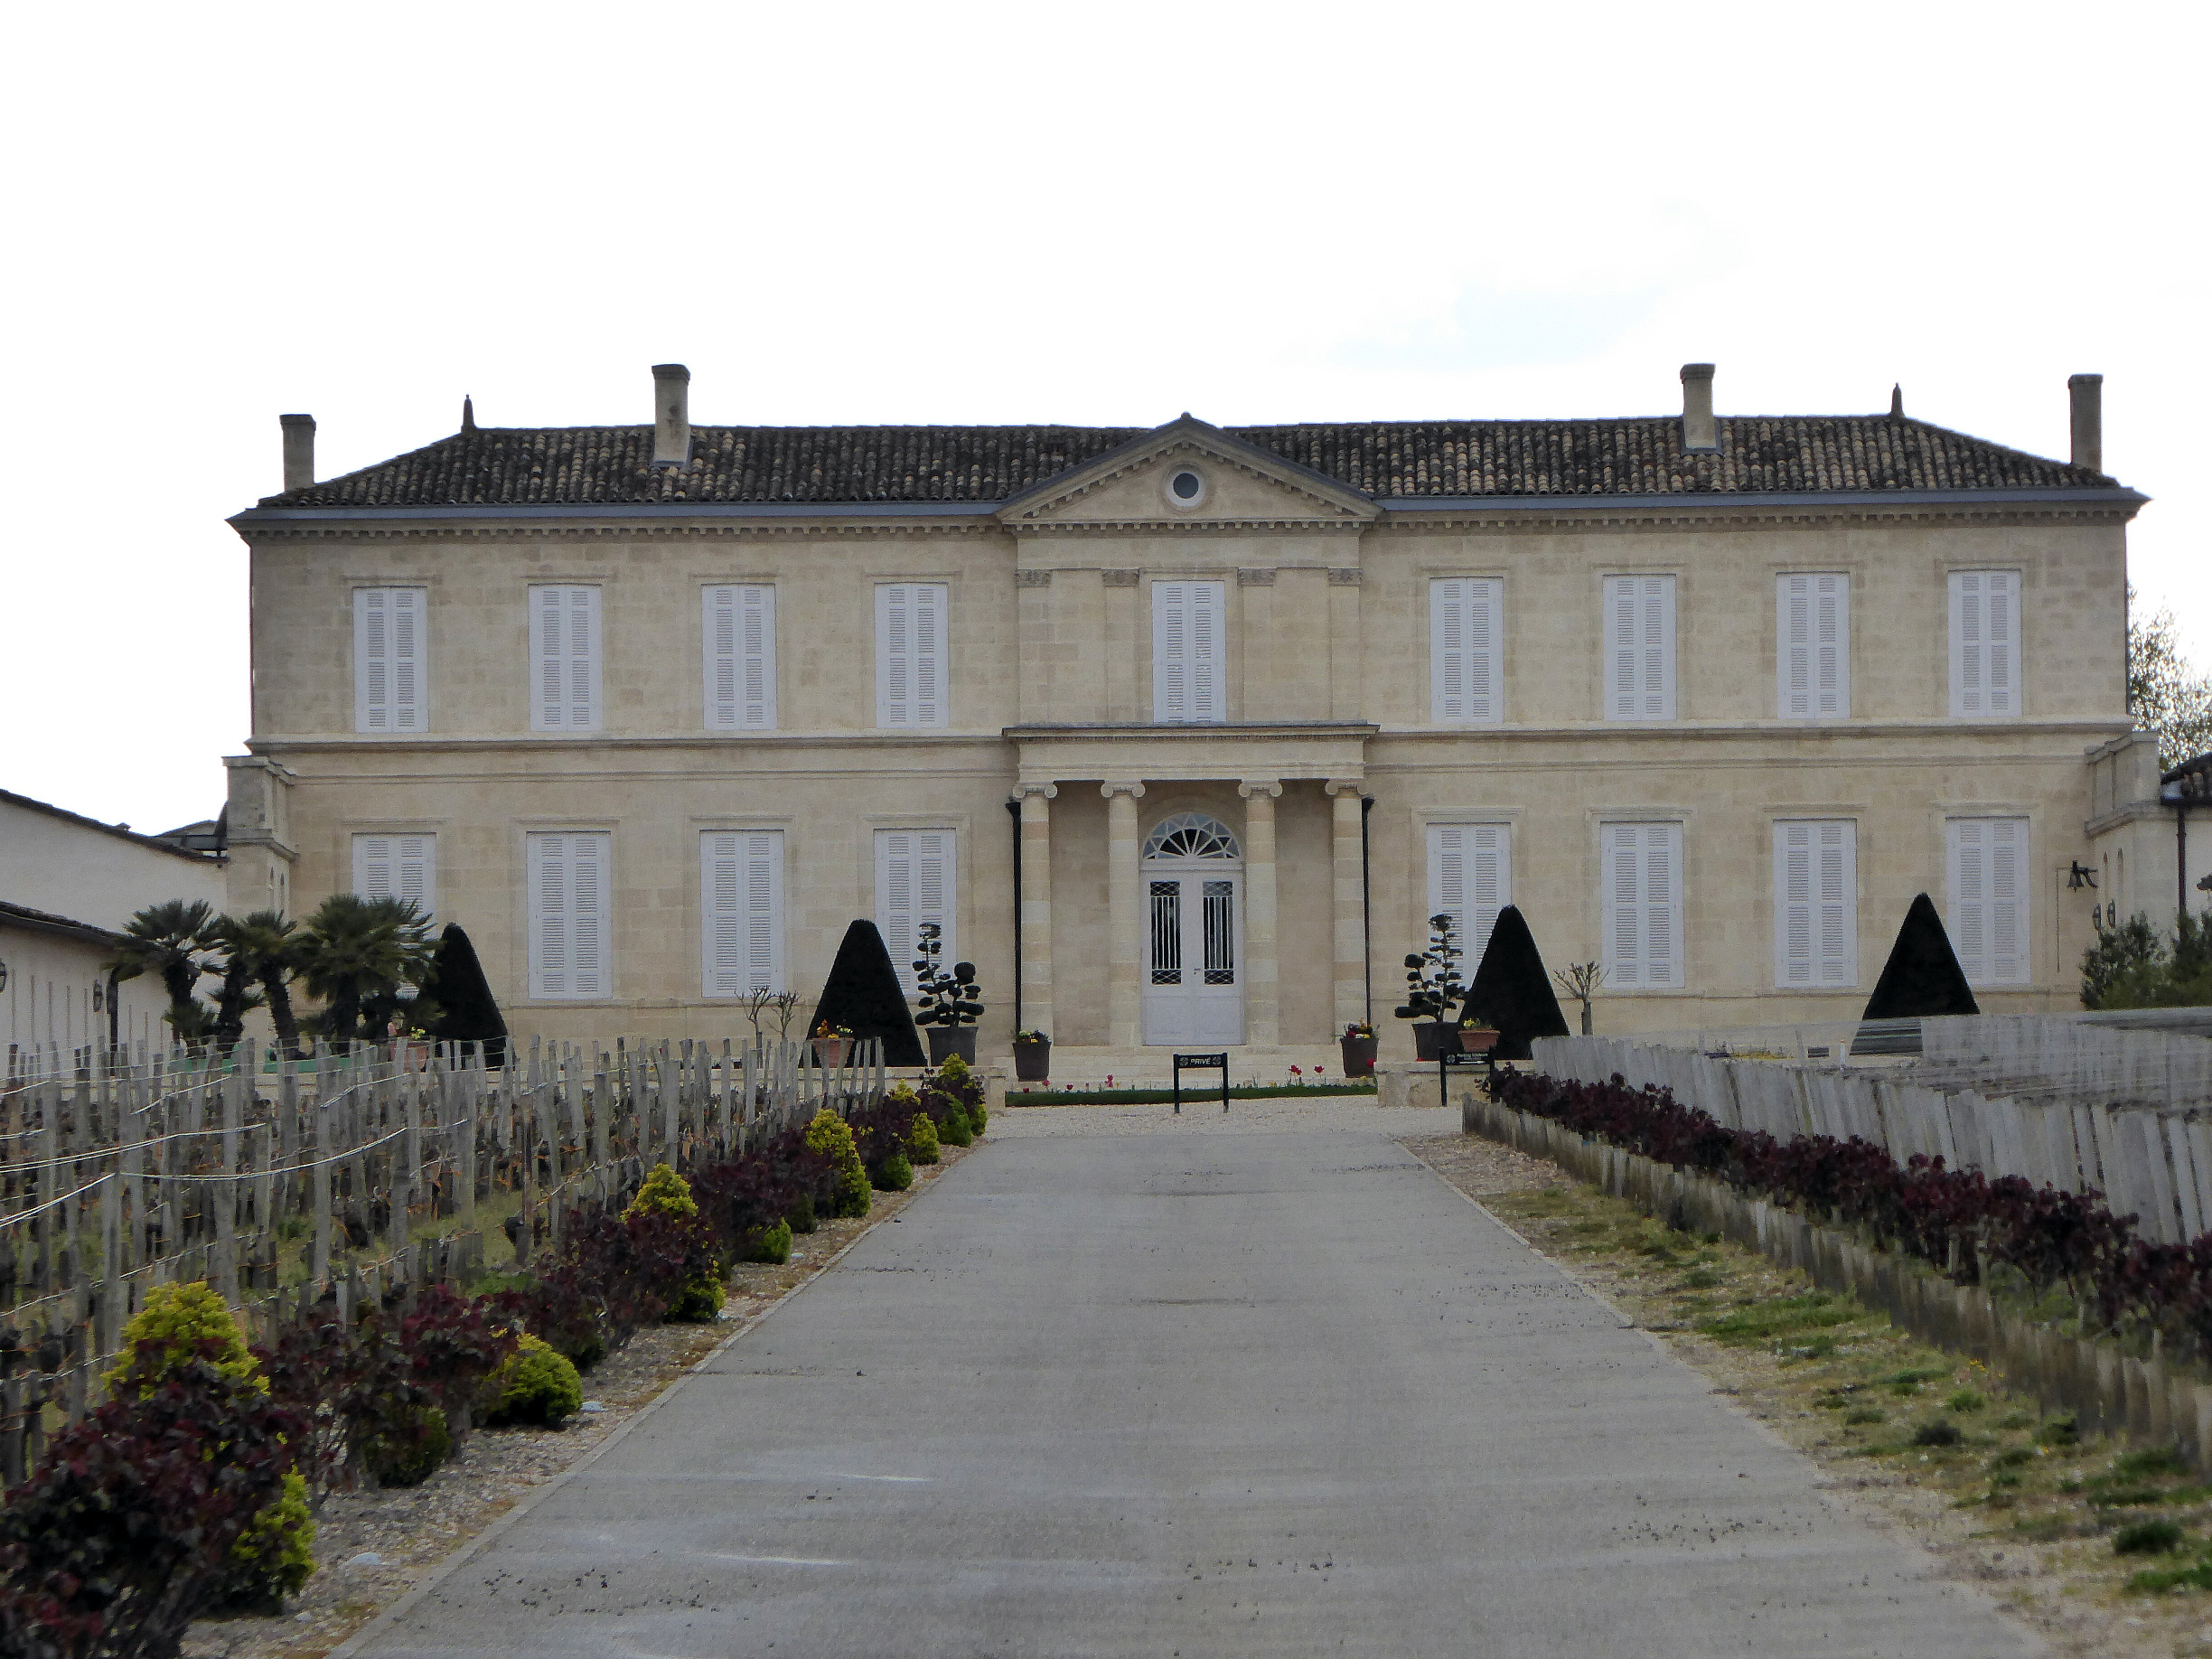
{"x": 1278, "y": 1115}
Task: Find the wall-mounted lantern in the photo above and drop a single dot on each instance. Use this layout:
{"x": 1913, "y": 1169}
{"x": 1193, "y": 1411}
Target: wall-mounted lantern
{"x": 3, "y": 976}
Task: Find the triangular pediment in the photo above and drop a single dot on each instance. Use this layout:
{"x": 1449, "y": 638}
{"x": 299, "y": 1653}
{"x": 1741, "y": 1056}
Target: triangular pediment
{"x": 1148, "y": 483}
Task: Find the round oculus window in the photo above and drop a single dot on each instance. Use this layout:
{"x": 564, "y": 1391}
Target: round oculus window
{"x": 1185, "y": 486}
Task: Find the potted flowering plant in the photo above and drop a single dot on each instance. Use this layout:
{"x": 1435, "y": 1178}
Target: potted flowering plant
{"x": 1432, "y": 986}
{"x": 1033, "y": 1057}
{"x": 831, "y": 1042}
{"x": 1477, "y": 1035}
{"x": 952, "y": 1002}
{"x": 1358, "y": 1047}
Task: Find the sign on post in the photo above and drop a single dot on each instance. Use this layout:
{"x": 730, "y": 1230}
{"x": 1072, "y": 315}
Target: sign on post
{"x": 1201, "y": 1062}
{"x": 1449, "y": 1061}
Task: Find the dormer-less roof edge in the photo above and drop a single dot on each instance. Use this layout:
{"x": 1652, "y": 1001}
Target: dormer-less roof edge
{"x": 1391, "y": 508}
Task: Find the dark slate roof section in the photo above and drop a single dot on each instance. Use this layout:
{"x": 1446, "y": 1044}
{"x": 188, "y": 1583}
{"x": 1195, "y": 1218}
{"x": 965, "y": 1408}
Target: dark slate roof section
{"x": 46, "y": 922}
{"x": 1392, "y": 461}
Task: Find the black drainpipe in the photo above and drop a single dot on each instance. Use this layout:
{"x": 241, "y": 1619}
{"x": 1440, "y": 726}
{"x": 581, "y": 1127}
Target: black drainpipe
{"x": 1367, "y": 916}
{"x": 1014, "y": 811}
{"x": 2181, "y": 855}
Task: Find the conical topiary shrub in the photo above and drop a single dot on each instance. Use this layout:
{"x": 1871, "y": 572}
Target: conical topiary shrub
{"x": 1922, "y": 980}
{"x": 468, "y": 1012}
{"x": 863, "y": 996}
{"x": 1510, "y": 989}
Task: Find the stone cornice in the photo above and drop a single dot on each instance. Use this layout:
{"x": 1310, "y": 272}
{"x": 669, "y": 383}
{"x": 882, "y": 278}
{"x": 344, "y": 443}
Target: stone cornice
{"x": 1195, "y": 730}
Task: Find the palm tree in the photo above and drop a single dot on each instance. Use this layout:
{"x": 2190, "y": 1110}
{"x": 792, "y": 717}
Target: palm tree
{"x": 260, "y": 950}
{"x": 165, "y": 939}
{"x": 356, "y": 955}
{"x": 270, "y": 942}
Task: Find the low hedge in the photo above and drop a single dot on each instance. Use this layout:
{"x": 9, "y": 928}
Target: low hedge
{"x": 1961, "y": 1221}
{"x": 1191, "y": 1091}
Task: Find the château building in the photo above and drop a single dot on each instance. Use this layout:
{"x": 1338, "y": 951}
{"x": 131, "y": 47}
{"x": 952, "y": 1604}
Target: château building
{"x": 656, "y": 710}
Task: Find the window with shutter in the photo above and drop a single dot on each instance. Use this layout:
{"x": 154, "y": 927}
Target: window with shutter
{"x": 738, "y": 648}
{"x": 911, "y": 668}
{"x": 1465, "y": 665}
{"x": 390, "y": 661}
{"x": 1641, "y": 906}
{"x": 1639, "y": 647}
{"x": 1470, "y": 879}
{"x": 1985, "y": 661}
{"x": 741, "y": 911}
{"x": 571, "y": 906}
{"x": 1812, "y": 647}
{"x": 1988, "y": 898}
{"x": 1189, "y": 652}
{"x": 915, "y": 883}
{"x": 401, "y": 866}
{"x": 565, "y": 659}
{"x": 1816, "y": 905}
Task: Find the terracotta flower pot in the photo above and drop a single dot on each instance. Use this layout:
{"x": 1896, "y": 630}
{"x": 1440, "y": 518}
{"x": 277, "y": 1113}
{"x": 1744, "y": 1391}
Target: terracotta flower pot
{"x": 1033, "y": 1060}
{"x": 945, "y": 1041}
{"x": 829, "y": 1052}
{"x": 1477, "y": 1039}
{"x": 1432, "y": 1037}
{"x": 1359, "y": 1056}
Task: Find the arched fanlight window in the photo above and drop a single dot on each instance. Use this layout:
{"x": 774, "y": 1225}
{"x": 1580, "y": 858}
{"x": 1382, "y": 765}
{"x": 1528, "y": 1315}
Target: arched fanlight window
{"x": 1191, "y": 835}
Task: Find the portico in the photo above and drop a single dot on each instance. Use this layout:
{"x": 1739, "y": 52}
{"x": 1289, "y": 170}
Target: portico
{"x": 1202, "y": 897}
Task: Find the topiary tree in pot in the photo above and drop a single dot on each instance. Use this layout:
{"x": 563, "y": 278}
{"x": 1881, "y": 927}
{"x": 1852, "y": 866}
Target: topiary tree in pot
{"x": 1433, "y": 986}
{"x": 951, "y": 1003}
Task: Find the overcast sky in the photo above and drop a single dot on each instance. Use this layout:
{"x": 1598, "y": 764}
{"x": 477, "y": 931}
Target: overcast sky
{"x": 1094, "y": 214}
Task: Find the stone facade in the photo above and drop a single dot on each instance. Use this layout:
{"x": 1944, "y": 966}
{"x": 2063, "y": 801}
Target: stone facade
{"x": 1325, "y": 759}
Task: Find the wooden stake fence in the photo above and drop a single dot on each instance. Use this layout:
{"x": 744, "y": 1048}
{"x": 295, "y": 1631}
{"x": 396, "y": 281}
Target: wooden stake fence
{"x": 309, "y": 1181}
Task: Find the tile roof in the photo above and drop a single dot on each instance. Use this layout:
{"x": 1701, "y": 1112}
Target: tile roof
{"x": 1390, "y": 460}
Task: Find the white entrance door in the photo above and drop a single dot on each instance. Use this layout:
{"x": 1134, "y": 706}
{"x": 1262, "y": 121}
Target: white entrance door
{"x": 1195, "y": 971}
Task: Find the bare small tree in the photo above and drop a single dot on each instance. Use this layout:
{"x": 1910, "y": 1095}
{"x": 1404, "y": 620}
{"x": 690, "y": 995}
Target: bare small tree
{"x": 781, "y": 1006}
{"x": 1581, "y": 981}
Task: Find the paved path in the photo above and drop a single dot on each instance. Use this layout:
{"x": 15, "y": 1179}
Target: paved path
{"x": 1195, "y": 1394}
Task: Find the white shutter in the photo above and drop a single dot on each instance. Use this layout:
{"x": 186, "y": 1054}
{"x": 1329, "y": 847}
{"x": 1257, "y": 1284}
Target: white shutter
{"x": 1985, "y": 663}
{"x": 737, "y": 645}
{"x": 1470, "y": 879}
{"x": 1642, "y": 905}
{"x": 1988, "y": 898}
{"x": 397, "y": 867}
{"x": 911, "y": 653}
{"x": 1189, "y": 646}
{"x": 1816, "y": 905}
{"x": 1812, "y": 647}
{"x": 741, "y": 911}
{"x": 565, "y": 659}
{"x": 571, "y": 885}
{"x": 1465, "y": 662}
{"x": 389, "y": 660}
{"x": 914, "y": 882}
{"x": 1639, "y": 647}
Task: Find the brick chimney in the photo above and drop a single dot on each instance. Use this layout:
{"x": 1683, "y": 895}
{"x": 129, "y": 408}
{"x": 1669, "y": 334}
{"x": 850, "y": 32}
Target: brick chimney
{"x": 1699, "y": 431}
{"x": 298, "y": 451}
{"x": 2086, "y": 393}
{"x": 672, "y": 415}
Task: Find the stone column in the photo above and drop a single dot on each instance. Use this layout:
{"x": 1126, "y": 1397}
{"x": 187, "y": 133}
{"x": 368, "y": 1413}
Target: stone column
{"x": 1349, "y": 953}
{"x": 1036, "y": 914}
{"x": 1125, "y": 917}
{"x": 1262, "y": 998}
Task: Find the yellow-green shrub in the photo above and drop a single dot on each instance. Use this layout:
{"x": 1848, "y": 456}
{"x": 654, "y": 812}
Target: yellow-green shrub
{"x": 773, "y": 1245}
{"x": 832, "y": 1136}
{"x": 665, "y": 1193}
{"x": 921, "y": 1145}
{"x": 536, "y": 1385}
{"x": 275, "y": 1555}
{"x": 171, "y": 1329}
